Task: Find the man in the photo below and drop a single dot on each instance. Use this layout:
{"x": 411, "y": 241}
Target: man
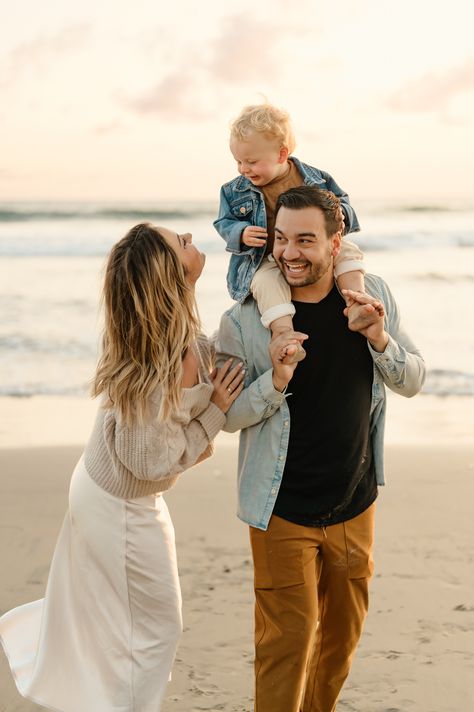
{"x": 311, "y": 456}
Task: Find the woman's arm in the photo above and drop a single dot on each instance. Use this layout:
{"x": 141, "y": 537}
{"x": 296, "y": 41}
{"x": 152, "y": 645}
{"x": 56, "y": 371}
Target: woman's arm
{"x": 159, "y": 449}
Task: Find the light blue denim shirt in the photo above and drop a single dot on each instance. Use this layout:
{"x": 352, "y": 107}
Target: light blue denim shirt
{"x": 243, "y": 204}
{"x": 262, "y": 413}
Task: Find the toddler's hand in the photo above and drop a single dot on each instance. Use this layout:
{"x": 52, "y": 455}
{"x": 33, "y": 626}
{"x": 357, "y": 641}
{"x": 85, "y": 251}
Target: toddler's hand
{"x": 254, "y": 236}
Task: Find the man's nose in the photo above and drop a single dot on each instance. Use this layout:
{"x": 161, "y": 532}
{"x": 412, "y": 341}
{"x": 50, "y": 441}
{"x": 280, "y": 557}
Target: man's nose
{"x": 291, "y": 252}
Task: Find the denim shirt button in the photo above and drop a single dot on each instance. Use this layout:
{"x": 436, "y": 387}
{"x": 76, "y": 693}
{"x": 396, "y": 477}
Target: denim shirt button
{"x": 285, "y": 423}
{"x": 280, "y": 457}
{"x": 274, "y": 491}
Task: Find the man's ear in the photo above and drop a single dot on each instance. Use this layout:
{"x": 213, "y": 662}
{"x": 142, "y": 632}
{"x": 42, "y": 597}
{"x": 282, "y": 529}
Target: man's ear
{"x": 283, "y": 154}
{"x": 336, "y": 243}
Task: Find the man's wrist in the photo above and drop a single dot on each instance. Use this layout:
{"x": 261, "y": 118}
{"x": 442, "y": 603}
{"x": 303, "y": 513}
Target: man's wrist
{"x": 278, "y": 383}
{"x": 380, "y": 343}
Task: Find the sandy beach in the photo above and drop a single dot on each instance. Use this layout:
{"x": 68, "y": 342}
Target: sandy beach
{"x": 417, "y": 651}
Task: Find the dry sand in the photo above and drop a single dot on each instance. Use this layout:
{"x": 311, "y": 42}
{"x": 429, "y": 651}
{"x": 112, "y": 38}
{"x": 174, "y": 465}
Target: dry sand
{"x": 417, "y": 651}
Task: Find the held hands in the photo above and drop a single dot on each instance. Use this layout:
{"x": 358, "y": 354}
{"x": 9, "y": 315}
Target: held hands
{"x": 254, "y": 236}
{"x": 366, "y": 315}
{"x": 282, "y": 349}
{"x": 228, "y": 384}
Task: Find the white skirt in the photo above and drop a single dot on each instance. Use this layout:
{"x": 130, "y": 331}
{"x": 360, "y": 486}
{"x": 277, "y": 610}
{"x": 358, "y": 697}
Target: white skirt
{"x": 104, "y": 637}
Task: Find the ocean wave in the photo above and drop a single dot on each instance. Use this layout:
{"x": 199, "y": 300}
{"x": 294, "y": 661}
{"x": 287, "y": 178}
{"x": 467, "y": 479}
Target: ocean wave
{"x": 40, "y": 389}
{"x": 447, "y": 278}
{"x": 442, "y": 382}
{"x": 430, "y": 209}
{"x": 439, "y": 382}
{"x": 98, "y": 245}
{"x": 21, "y": 344}
{"x": 412, "y": 240}
{"x": 137, "y": 214}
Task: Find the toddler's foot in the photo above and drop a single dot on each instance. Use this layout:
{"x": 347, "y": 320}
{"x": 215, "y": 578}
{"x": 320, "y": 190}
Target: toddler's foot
{"x": 360, "y": 316}
{"x": 294, "y": 353}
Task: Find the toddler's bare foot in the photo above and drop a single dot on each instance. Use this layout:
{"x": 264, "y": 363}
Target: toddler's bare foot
{"x": 360, "y": 316}
{"x": 294, "y": 353}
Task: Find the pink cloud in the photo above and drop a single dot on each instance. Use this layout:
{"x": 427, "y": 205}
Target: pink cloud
{"x": 176, "y": 97}
{"x": 433, "y": 92}
{"x": 37, "y": 52}
{"x": 244, "y": 51}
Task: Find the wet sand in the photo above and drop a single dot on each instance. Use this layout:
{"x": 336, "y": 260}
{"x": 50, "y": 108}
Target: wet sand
{"x": 417, "y": 651}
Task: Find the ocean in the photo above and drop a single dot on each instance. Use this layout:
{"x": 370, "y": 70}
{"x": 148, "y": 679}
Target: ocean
{"x": 52, "y": 257}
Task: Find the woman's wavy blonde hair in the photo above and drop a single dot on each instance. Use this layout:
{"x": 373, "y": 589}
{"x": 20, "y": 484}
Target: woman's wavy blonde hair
{"x": 150, "y": 321}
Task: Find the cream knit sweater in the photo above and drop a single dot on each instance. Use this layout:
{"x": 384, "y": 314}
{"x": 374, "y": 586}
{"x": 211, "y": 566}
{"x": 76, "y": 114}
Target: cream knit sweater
{"x": 145, "y": 459}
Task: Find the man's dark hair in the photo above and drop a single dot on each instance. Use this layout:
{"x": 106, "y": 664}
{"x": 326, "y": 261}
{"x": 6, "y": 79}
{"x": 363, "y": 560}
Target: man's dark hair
{"x": 308, "y": 196}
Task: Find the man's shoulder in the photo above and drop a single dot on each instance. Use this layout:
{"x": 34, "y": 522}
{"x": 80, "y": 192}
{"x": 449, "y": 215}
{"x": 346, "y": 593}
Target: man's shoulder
{"x": 378, "y": 288}
{"x": 243, "y": 317}
{"x": 375, "y": 285}
{"x": 241, "y": 311}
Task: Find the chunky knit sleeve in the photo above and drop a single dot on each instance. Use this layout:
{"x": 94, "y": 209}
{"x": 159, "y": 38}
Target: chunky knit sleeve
{"x": 159, "y": 450}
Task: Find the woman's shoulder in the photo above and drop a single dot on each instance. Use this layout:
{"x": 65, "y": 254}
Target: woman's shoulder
{"x": 206, "y": 352}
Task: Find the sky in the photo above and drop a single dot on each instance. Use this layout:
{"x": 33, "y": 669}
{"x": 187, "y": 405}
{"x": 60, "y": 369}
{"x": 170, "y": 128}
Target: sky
{"x": 112, "y": 100}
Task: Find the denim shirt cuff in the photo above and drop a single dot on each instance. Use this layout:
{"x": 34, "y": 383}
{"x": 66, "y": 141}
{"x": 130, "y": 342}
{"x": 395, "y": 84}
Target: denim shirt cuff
{"x": 234, "y": 241}
{"x": 388, "y": 359}
{"x": 267, "y": 390}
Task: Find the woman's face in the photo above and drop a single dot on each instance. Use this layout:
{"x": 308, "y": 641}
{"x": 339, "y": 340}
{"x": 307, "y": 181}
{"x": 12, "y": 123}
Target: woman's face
{"x": 191, "y": 259}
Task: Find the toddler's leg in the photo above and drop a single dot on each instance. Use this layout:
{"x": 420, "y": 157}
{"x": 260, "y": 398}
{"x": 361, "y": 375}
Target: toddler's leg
{"x": 273, "y": 297}
{"x": 349, "y": 271}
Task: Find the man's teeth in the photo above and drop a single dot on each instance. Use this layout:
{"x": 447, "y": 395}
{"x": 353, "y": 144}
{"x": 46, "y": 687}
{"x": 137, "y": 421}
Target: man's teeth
{"x": 295, "y": 268}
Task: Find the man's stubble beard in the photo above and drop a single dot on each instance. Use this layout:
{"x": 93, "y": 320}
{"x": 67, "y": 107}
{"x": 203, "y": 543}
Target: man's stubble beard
{"x": 314, "y": 276}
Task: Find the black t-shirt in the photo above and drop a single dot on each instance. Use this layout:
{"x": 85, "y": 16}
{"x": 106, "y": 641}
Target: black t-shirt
{"x": 329, "y": 475}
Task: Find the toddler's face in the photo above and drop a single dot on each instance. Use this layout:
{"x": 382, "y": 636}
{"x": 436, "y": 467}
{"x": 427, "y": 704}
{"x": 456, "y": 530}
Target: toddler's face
{"x": 259, "y": 159}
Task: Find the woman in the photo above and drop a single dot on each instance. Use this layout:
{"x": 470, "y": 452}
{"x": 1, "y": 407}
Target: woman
{"x": 104, "y": 637}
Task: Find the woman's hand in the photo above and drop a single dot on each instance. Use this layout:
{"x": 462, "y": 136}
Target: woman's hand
{"x": 228, "y": 384}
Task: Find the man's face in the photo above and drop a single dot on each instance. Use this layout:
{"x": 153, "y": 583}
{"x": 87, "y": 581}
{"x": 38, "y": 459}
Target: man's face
{"x": 302, "y": 249}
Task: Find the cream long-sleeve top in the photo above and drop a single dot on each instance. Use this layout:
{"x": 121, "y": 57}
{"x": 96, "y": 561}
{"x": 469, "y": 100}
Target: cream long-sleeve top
{"x": 133, "y": 461}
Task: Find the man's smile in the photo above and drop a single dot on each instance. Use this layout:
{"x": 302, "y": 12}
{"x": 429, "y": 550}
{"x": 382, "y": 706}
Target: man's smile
{"x": 295, "y": 267}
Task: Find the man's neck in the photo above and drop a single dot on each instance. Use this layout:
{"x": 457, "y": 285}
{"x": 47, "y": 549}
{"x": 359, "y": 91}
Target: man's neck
{"x": 314, "y": 292}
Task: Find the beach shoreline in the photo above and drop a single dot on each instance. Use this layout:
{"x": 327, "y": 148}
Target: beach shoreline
{"x": 421, "y": 621}
{"x": 44, "y": 421}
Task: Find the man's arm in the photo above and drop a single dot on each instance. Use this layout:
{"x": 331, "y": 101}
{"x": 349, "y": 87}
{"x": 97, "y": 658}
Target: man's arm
{"x": 395, "y": 355}
{"x": 263, "y": 395}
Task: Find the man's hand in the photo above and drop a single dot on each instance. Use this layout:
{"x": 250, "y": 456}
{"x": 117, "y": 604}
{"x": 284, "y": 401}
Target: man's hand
{"x": 367, "y": 318}
{"x": 254, "y": 236}
{"x": 282, "y": 348}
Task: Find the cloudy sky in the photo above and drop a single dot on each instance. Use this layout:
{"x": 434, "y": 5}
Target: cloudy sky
{"x": 106, "y": 99}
